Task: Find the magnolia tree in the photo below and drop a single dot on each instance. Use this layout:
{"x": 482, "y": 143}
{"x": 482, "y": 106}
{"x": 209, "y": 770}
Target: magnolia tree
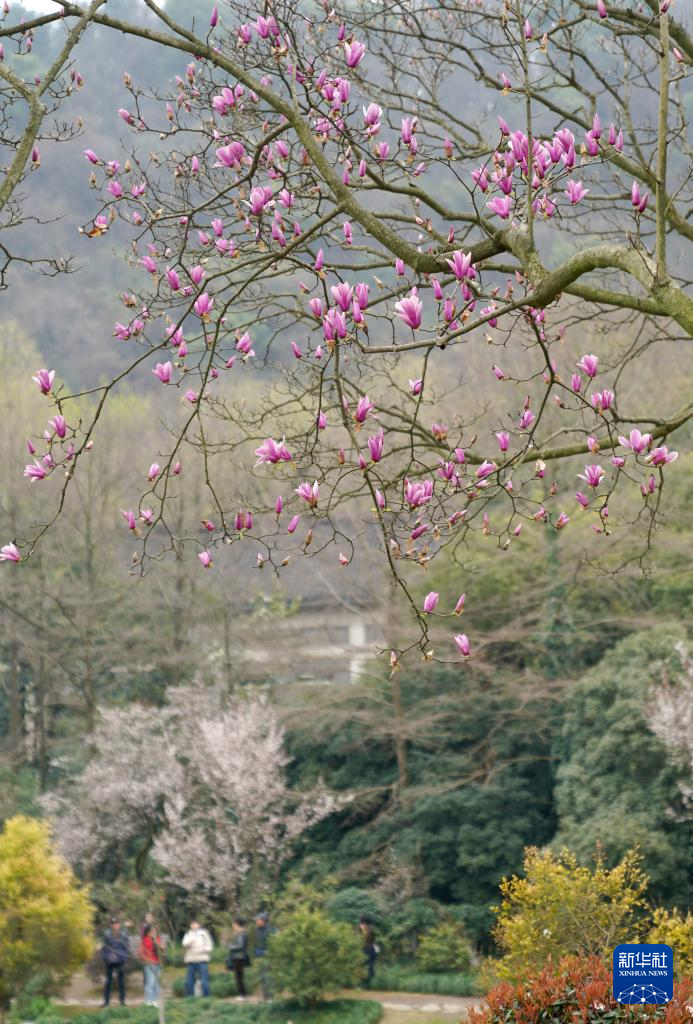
{"x": 205, "y": 795}
{"x": 316, "y": 201}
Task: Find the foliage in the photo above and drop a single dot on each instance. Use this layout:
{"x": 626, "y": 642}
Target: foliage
{"x": 396, "y": 978}
{"x": 578, "y": 988}
{"x": 211, "y": 1011}
{"x": 350, "y": 904}
{"x": 45, "y": 918}
{"x": 672, "y": 928}
{"x": 444, "y": 948}
{"x": 221, "y": 986}
{"x": 311, "y": 956}
{"x": 618, "y": 785}
{"x": 561, "y": 908}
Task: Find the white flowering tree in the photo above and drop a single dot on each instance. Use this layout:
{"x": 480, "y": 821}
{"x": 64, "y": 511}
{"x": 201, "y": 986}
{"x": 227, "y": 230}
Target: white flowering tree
{"x": 199, "y": 788}
{"x": 671, "y": 718}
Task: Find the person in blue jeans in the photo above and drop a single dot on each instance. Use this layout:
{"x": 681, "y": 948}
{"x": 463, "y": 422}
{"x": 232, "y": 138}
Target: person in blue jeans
{"x": 114, "y": 953}
{"x": 198, "y": 946}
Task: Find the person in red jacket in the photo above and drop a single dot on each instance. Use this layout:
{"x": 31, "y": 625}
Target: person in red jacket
{"x": 150, "y": 944}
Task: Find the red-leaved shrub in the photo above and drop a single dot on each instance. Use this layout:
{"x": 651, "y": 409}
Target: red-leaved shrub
{"x": 577, "y": 991}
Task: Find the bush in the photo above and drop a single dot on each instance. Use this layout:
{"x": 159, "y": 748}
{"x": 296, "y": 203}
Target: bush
{"x": 211, "y": 1011}
{"x": 311, "y": 956}
{"x": 45, "y": 917}
{"x": 444, "y": 948}
{"x": 404, "y": 979}
{"x": 221, "y": 986}
{"x": 671, "y": 927}
{"x": 578, "y": 989}
{"x": 349, "y": 905}
{"x": 561, "y": 909}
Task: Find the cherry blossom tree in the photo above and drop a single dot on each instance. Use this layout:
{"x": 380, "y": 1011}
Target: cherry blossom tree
{"x": 671, "y": 718}
{"x": 203, "y": 795}
{"x": 315, "y": 205}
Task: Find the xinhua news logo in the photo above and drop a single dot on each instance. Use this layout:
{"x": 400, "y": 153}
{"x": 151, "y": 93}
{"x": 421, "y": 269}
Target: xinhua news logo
{"x": 643, "y": 972}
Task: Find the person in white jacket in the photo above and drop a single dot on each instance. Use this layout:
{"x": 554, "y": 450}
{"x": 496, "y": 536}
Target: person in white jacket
{"x": 198, "y": 946}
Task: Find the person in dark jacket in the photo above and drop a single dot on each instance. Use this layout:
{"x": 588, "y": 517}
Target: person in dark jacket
{"x": 263, "y": 931}
{"x": 370, "y": 949}
{"x": 238, "y": 958}
{"x": 115, "y": 952}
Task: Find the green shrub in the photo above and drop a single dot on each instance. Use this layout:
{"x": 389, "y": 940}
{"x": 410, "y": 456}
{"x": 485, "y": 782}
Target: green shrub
{"x": 672, "y": 928}
{"x": 349, "y": 905}
{"x": 212, "y": 1011}
{"x": 221, "y": 986}
{"x": 404, "y": 979}
{"x": 311, "y": 956}
{"x": 444, "y": 948}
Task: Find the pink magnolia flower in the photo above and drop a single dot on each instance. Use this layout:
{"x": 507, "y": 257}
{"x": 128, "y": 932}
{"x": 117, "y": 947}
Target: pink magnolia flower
{"x": 354, "y": 53}
{"x": 375, "y": 445}
{"x": 526, "y": 419}
{"x": 44, "y": 380}
{"x": 575, "y": 191}
{"x": 59, "y": 425}
{"x": 380, "y": 499}
{"x": 163, "y": 371}
{"x": 430, "y": 601}
{"x": 293, "y": 523}
{"x": 601, "y": 9}
{"x": 244, "y": 345}
{"x": 661, "y": 456}
{"x": 214, "y": 18}
{"x": 562, "y": 521}
{"x": 173, "y": 279}
{"x": 636, "y": 442}
{"x": 593, "y": 475}
{"x": 364, "y": 408}
{"x": 460, "y": 264}
{"x": 10, "y": 553}
{"x": 231, "y": 155}
{"x": 500, "y": 205}
{"x": 91, "y": 156}
{"x": 35, "y": 471}
{"x": 149, "y": 264}
{"x": 602, "y": 400}
{"x": 463, "y": 645}
{"x": 503, "y": 438}
{"x": 321, "y": 421}
{"x": 417, "y": 493}
{"x": 197, "y": 274}
{"x": 309, "y": 492}
{"x": 576, "y": 383}
{"x": 154, "y": 471}
{"x": 296, "y": 350}
{"x": 203, "y": 305}
{"x": 498, "y": 373}
{"x": 486, "y": 469}
{"x": 410, "y": 309}
{"x": 582, "y": 499}
{"x": 205, "y": 559}
{"x": 415, "y": 386}
{"x": 270, "y": 452}
{"x": 459, "y": 607}
{"x": 589, "y": 364}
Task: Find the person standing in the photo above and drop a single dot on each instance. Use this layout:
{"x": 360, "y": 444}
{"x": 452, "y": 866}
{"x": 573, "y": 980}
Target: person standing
{"x": 263, "y": 930}
{"x": 198, "y": 946}
{"x": 114, "y": 953}
{"x": 370, "y": 949}
{"x": 150, "y": 946}
{"x": 238, "y": 958}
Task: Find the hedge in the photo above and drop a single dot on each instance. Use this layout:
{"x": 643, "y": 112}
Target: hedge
{"x": 213, "y": 1011}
